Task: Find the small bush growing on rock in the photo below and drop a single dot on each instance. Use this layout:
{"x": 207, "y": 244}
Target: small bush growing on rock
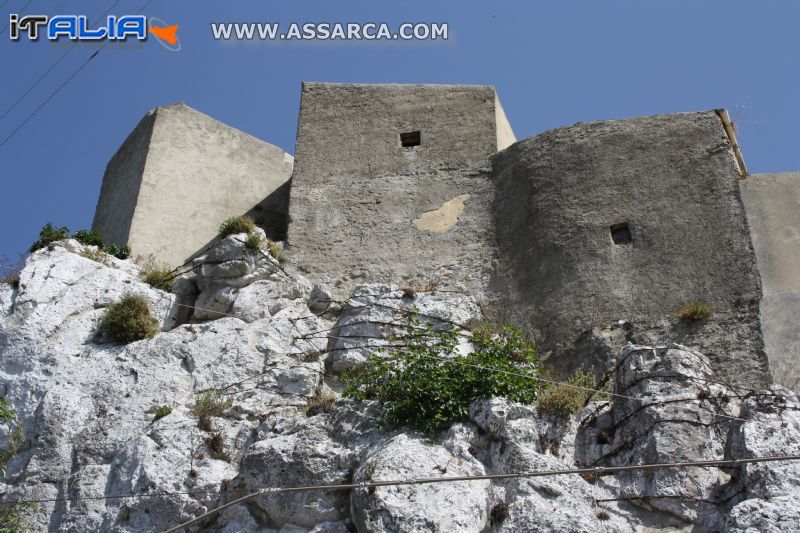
{"x": 89, "y": 238}
{"x": 696, "y": 311}
{"x": 155, "y": 274}
{"x": 120, "y": 252}
{"x": 49, "y": 234}
{"x": 11, "y": 278}
{"x": 129, "y": 320}
{"x": 10, "y": 271}
{"x": 94, "y": 254}
{"x": 236, "y": 225}
{"x": 276, "y": 252}
{"x": 210, "y": 403}
{"x": 14, "y": 437}
{"x": 216, "y": 447}
{"x": 321, "y": 402}
{"x": 160, "y": 278}
{"x": 161, "y": 412}
{"x": 566, "y": 399}
{"x": 254, "y": 241}
{"x": 14, "y": 516}
{"x": 425, "y": 384}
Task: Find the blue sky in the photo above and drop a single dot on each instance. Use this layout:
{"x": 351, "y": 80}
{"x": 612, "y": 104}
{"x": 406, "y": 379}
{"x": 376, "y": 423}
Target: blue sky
{"x": 554, "y": 63}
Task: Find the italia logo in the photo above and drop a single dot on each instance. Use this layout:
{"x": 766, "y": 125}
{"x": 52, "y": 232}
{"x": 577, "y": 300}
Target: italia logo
{"x": 77, "y": 28}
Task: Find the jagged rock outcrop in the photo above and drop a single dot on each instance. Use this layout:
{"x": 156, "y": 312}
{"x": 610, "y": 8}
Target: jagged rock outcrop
{"x": 100, "y": 458}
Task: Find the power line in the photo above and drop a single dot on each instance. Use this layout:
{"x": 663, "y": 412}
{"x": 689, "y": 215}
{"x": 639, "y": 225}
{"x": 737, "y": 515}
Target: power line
{"x": 53, "y": 94}
{"x": 54, "y": 65}
{"x": 599, "y": 470}
{"x": 60, "y": 87}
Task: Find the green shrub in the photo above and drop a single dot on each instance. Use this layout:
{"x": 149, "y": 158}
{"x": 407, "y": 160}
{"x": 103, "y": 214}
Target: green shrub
{"x": 426, "y": 385}
{"x": 696, "y": 311}
{"x": 120, "y": 252}
{"x": 12, "y": 278}
{"x": 89, "y": 238}
{"x": 13, "y": 516}
{"x": 15, "y": 435}
{"x": 160, "y": 278}
{"x": 95, "y": 255}
{"x": 49, "y": 234}
{"x": 254, "y": 241}
{"x": 276, "y": 252}
{"x": 156, "y": 274}
{"x": 566, "y": 399}
{"x": 129, "y": 320}
{"x": 236, "y": 225}
{"x": 161, "y": 412}
{"x": 210, "y": 403}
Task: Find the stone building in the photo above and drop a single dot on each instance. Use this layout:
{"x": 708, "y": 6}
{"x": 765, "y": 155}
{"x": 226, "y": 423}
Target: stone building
{"x": 565, "y": 231}
{"x": 179, "y": 174}
{"x": 392, "y": 184}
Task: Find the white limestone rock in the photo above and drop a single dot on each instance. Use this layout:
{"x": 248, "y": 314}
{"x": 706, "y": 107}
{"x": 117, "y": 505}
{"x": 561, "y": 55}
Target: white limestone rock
{"x": 307, "y": 456}
{"x": 226, "y": 267}
{"x": 756, "y": 515}
{"x": 374, "y": 313}
{"x": 772, "y": 428}
{"x": 444, "y": 507}
{"x": 265, "y": 298}
{"x": 88, "y": 407}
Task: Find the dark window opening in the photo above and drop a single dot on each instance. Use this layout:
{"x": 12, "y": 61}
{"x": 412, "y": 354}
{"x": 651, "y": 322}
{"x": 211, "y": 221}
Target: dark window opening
{"x": 621, "y": 233}
{"x": 410, "y": 139}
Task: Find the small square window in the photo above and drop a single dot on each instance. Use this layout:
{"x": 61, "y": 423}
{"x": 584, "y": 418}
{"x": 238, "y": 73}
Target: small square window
{"x": 621, "y": 233}
{"x": 410, "y": 139}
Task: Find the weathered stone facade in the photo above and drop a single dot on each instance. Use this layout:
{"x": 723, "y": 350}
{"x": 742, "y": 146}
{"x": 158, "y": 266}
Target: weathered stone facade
{"x": 179, "y": 174}
{"x": 562, "y": 232}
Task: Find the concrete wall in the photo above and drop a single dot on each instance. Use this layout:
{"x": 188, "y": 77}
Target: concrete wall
{"x": 121, "y": 182}
{"x": 772, "y": 202}
{"x": 672, "y": 179}
{"x": 366, "y": 208}
{"x": 505, "y": 135}
{"x": 197, "y": 172}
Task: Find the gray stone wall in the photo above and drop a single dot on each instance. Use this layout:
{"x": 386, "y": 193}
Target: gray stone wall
{"x": 191, "y": 173}
{"x": 121, "y": 182}
{"x": 773, "y": 210}
{"x": 364, "y": 207}
{"x": 672, "y": 179}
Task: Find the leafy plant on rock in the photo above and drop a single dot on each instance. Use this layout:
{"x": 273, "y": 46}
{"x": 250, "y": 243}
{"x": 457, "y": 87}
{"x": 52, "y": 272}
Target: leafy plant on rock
{"x": 254, "y": 241}
{"x": 697, "y": 310}
{"x": 276, "y": 252}
{"x": 210, "y": 403}
{"x": 425, "y": 384}
{"x": 233, "y": 225}
{"x": 89, "y": 238}
{"x": 15, "y": 436}
{"x": 565, "y": 399}
{"x": 49, "y": 234}
{"x": 129, "y": 320}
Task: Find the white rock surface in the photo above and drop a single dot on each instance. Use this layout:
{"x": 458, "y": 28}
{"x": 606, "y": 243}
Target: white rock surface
{"x": 376, "y": 312}
{"x": 451, "y": 507}
{"x": 88, "y": 408}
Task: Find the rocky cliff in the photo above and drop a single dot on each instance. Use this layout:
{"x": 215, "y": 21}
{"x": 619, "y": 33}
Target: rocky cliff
{"x": 240, "y": 391}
